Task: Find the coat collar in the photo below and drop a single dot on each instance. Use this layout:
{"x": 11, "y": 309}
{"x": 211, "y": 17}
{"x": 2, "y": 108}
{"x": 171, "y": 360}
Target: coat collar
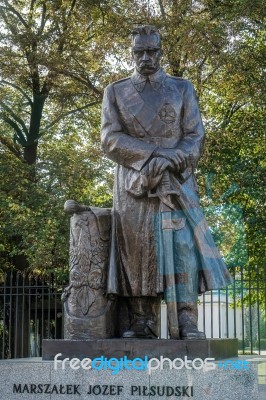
{"x": 156, "y": 80}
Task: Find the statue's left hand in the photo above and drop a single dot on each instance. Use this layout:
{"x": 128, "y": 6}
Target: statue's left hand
{"x": 72, "y": 206}
{"x": 158, "y": 165}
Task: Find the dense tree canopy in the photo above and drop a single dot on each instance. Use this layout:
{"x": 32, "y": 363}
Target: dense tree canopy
{"x": 56, "y": 58}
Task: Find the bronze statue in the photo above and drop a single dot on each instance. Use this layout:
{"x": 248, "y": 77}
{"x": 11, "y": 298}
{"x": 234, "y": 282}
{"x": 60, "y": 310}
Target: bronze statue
{"x": 160, "y": 244}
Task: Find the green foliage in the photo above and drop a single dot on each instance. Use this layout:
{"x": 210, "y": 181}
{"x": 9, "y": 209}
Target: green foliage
{"x": 51, "y": 64}
{"x": 262, "y": 344}
{"x": 240, "y": 344}
{"x": 33, "y": 225}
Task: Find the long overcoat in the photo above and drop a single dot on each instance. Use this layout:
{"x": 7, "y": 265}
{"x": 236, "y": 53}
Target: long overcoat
{"x": 140, "y": 115}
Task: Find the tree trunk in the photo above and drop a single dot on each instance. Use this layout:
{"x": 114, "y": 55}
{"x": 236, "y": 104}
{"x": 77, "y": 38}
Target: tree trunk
{"x": 30, "y": 153}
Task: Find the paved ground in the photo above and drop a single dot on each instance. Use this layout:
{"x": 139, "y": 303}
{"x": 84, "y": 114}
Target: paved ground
{"x": 260, "y": 360}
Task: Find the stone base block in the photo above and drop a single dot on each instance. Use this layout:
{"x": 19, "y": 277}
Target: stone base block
{"x": 38, "y": 380}
{"x": 132, "y": 348}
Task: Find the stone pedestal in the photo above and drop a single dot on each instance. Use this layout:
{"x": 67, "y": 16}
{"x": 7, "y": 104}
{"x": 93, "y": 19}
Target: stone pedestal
{"x": 37, "y": 379}
{"x": 132, "y": 348}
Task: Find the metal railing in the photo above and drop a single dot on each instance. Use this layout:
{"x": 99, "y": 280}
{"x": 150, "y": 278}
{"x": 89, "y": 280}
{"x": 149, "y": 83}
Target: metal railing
{"x": 31, "y": 310}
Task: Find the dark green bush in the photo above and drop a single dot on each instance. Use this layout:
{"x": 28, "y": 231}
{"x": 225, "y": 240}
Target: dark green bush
{"x": 262, "y": 344}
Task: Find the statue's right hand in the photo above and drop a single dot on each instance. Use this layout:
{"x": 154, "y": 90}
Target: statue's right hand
{"x": 158, "y": 165}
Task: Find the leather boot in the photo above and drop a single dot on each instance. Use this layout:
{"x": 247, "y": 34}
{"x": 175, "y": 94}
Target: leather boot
{"x": 145, "y": 318}
{"x": 188, "y": 321}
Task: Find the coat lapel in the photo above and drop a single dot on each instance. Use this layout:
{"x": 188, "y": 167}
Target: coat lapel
{"x": 146, "y": 113}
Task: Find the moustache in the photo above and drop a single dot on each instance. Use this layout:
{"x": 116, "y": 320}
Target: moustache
{"x": 146, "y": 64}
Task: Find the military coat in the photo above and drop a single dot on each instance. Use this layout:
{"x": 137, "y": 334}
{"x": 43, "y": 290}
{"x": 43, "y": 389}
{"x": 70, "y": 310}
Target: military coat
{"x": 140, "y": 115}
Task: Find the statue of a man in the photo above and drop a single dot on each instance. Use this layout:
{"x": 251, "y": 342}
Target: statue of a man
{"x": 161, "y": 245}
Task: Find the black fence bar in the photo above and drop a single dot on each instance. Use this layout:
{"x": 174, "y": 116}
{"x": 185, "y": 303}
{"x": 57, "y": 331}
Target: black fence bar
{"x": 227, "y": 314}
{"x": 234, "y": 299}
{"x": 29, "y": 307}
{"x": 219, "y": 312}
{"x": 204, "y": 313}
{"x": 49, "y": 311}
{"x": 258, "y": 307}
{"x": 10, "y": 314}
{"x": 31, "y": 310}
{"x": 42, "y": 319}
{"x": 4, "y": 320}
{"x": 250, "y": 311}
{"x": 35, "y": 323}
{"x": 242, "y": 311}
{"x": 23, "y": 314}
{"x": 16, "y": 317}
{"x": 211, "y": 315}
{"x": 55, "y": 311}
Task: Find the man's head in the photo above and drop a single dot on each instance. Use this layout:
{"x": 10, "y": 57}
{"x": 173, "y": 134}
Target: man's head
{"x": 146, "y": 49}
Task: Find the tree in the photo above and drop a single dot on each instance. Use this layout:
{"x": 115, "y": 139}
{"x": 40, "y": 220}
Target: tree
{"x": 73, "y": 49}
{"x": 49, "y": 73}
{"x": 44, "y": 54}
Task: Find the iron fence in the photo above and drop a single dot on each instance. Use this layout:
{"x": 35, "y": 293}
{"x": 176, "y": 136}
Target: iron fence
{"x": 31, "y": 310}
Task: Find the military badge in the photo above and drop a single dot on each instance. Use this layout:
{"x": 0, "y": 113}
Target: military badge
{"x": 167, "y": 114}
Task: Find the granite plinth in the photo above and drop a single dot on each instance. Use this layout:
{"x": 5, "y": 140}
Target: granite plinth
{"x": 132, "y": 348}
{"x": 37, "y": 379}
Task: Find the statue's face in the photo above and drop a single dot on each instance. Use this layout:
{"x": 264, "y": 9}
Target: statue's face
{"x": 147, "y": 53}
